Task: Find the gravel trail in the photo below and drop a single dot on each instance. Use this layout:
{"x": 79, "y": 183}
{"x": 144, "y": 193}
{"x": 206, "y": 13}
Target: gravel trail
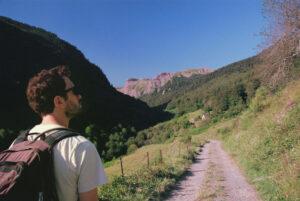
{"x": 213, "y": 177}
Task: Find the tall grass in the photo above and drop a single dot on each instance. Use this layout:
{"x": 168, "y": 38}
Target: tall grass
{"x": 143, "y": 183}
{"x": 266, "y": 144}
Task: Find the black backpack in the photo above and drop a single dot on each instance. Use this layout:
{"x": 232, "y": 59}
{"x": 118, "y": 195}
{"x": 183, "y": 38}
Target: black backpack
{"x": 26, "y": 168}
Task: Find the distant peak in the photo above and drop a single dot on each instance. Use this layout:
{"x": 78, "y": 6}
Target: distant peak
{"x": 136, "y": 87}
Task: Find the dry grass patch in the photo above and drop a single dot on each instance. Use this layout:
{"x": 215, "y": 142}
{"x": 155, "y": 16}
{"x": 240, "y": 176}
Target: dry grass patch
{"x": 212, "y": 188}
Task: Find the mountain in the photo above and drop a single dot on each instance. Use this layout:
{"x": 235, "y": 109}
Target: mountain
{"x": 138, "y": 87}
{"x": 25, "y": 50}
{"x": 228, "y": 90}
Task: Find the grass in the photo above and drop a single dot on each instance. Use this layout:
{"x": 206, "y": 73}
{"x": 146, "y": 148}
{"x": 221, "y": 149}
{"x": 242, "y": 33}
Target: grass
{"x": 212, "y": 188}
{"x": 266, "y": 147}
{"x": 265, "y": 144}
{"x": 135, "y": 161}
{"x": 143, "y": 183}
{"x": 196, "y": 131}
{"x": 206, "y": 194}
{"x": 196, "y": 115}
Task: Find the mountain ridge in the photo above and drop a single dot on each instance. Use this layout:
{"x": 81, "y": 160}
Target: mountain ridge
{"x": 26, "y": 50}
{"x": 137, "y": 87}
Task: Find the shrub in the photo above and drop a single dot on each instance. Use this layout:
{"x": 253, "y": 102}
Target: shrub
{"x": 186, "y": 139}
{"x": 260, "y": 101}
{"x": 130, "y": 141}
{"x": 186, "y": 124}
{"x": 131, "y": 148}
{"x": 140, "y": 139}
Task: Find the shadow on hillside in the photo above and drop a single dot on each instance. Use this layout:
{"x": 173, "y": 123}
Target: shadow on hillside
{"x": 161, "y": 108}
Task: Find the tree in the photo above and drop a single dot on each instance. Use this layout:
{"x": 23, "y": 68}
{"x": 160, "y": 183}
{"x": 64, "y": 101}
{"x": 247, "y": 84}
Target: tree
{"x": 283, "y": 18}
{"x": 283, "y": 34}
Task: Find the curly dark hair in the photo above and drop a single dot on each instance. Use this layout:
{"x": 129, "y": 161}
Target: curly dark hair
{"x": 43, "y": 87}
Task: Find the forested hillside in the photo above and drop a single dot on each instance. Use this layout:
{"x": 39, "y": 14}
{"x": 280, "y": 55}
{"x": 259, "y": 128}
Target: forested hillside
{"x": 199, "y": 91}
{"x": 228, "y": 90}
{"x": 26, "y": 50}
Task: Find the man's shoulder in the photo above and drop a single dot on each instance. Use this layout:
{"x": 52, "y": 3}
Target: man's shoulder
{"x": 77, "y": 140}
{"x": 73, "y": 141}
{"x": 75, "y": 148}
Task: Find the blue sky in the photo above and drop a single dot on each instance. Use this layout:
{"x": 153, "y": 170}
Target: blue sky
{"x": 141, "y": 38}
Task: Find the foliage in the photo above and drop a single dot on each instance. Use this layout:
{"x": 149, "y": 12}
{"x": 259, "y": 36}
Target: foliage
{"x": 26, "y": 50}
{"x": 131, "y": 148}
{"x": 226, "y": 91}
{"x": 146, "y": 184}
{"x": 268, "y": 148}
{"x": 260, "y": 101}
{"x": 162, "y": 132}
{"x": 282, "y": 19}
{"x": 186, "y": 139}
{"x": 281, "y": 42}
{"x": 113, "y": 142}
{"x": 140, "y": 138}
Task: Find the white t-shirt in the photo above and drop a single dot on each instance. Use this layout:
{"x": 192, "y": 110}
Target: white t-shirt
{"x": 77, "y": 165}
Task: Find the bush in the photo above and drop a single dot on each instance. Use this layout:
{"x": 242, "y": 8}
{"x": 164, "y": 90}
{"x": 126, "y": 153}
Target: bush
{"x": 186, "y": 139}
{"x": 131, "y": 148}
{"x": 130, "y": 141}
{"x": 186, "y": 124}
{"x": 140, "y": 138}
{"x": 260, "y": 101}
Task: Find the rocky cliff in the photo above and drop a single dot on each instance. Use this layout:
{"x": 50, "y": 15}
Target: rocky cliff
{"x": 137, "y": 87}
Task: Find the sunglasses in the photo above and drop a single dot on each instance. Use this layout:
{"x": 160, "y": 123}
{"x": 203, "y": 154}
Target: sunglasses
{"x": 74, "y": 89}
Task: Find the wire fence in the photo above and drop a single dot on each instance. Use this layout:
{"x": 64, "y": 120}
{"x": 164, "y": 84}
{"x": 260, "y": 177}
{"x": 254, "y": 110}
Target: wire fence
{"x": 160, "y": 156}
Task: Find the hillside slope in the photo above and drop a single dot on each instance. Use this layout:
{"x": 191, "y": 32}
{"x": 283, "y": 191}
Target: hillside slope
{"x": 189, "y": 94}
{"x": 228, "y": 90}
{"x": 265, "y": 142}
{"x": 25, "y": 50}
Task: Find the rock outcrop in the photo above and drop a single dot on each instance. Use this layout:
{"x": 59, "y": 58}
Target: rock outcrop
{"x": 137, "y": 87}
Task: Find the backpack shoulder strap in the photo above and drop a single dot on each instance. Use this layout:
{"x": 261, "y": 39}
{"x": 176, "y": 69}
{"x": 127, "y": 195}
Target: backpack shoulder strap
{"x": 59, "y": 135}
{"x": 22, "y": 137}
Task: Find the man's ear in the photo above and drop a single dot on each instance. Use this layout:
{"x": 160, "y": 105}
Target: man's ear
{"x": 58, "y": 101}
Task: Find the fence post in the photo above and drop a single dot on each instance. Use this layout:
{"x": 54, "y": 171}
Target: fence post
{"x": 148, "y": 161}
{"x": 160, "y": 153}
{"x": 121, "y": 167}
{"x": 188, "y": 146}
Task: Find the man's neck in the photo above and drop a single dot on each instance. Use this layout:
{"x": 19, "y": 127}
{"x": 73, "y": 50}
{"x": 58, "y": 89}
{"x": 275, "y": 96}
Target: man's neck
{"x": 54, "y": 119}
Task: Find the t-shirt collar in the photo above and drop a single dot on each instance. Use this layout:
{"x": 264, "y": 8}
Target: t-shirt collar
{"x": 40, "y": 128}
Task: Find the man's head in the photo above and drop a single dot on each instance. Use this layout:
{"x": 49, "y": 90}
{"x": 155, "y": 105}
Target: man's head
{"x": 52, "y": 89}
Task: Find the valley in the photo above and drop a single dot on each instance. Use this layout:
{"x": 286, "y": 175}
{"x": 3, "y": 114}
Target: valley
{"x": 199, "y": 134}
{"x": 264, "y": 149}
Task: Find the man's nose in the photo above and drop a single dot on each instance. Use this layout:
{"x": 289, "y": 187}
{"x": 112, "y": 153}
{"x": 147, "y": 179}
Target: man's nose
{"x": 79, "y": 96}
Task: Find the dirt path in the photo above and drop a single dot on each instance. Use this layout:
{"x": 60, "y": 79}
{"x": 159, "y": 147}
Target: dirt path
{"x": 213, "y": 177}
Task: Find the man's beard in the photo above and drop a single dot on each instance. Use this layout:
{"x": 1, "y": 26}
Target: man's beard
{"x": 73, "y": 110}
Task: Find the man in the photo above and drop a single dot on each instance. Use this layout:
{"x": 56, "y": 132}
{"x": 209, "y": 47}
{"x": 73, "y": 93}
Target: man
{"x": 77, "y": 165}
